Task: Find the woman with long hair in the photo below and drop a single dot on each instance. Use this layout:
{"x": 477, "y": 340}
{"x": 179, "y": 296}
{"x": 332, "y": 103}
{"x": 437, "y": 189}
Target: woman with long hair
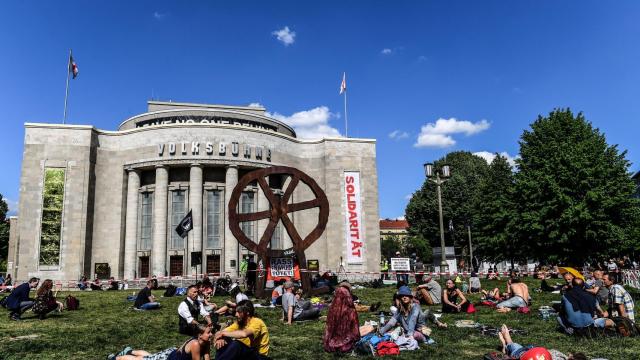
{"x": 196, "y": 348}
{"x": 453, "y": 300}
{"x": 342, "y": 331}
{"x": 46, "y": 300}
{"x": 409, "y": 316}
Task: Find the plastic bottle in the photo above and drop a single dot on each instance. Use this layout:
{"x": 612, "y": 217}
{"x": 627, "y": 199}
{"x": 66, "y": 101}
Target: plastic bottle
{"x": 381, "y": 319}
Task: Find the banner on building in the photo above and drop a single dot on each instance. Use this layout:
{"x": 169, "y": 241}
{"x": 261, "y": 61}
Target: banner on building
{"x": 283, "y": 268}
{"x": 400, "y": 264}
{"x": 354, "y": 230}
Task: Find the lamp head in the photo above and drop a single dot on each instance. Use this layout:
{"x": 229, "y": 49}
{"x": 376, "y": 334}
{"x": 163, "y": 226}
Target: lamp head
{"x": 428, "y": 170}
{"x": 445, "y": 171}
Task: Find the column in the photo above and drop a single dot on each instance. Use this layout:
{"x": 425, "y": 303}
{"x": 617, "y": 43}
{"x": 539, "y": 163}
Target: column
{"x": 131, "y": 227}
{"x": 195, "y": 203}
{"x": 230, "y": 242}
{"x": 159, "y": 251}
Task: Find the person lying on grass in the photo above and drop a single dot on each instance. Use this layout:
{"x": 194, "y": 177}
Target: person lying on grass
{"x": 517, "y": 296}
{"x": 409, "y": 316}
{"x": 531, "y": 352}
{"x": 196, "y": 348}
{"x": 246, "y": 339}
{"x": 453, "y": 300}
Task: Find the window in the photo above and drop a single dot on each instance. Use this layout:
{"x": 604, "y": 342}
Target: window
{"x": 146, "y": 221}
{"x": 276, "y": 238}
{"x": 51, "y": 224}
{"x": 213, "y": 219}
{"x": 177, "y": 214}
{"x": 247, "y": 206}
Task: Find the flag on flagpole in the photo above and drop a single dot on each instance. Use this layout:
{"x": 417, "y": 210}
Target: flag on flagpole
{"x": 73, "y": 67}
{"x": 185, "y": 225}
{"x": 343, "y": 84}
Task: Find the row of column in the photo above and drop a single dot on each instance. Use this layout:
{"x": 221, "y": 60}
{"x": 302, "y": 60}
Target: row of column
{"x": 160, "y": 205}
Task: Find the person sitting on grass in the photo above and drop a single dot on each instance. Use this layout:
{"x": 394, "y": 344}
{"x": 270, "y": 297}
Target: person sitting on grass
{"x": 598, "y": 289}
{"x": 304, "y": 309}
{"x": 429, "y": 293}
{"x": 276, "y": 294}
{"x": 196, "y": 348}
{"x": 361, "y": 308}
{"x": 188, "y": 312}
{"x": 409, "y": 317}
{"x": 18, "y": 301}
{"x": 229, "y": 307}
{"x": 453, "y": 300}
{"x": 145, "y": 299}
{"x": 46, "y": 300}
{"x": 517, "y": 296}
{"x": 342, "y": 331}
{"x": 578, "y": 310}
{"x": 113, "y": 284}
{"x": 620, "y": 301}
{"x": 518, "y": 351}
{"x": 96, "y": 284}
{"x": 246, "y": 339}
{"x": 544, "y": 286}
{"x": 474, "y": 283}
{"x": 83, "y": 283}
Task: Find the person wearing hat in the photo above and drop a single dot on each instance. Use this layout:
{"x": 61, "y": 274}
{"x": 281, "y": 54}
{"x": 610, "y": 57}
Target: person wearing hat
{"x": 409, "y": 316}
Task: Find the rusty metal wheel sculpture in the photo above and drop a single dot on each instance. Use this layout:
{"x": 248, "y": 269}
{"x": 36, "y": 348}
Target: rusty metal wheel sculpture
{"x": 279, "y": 210}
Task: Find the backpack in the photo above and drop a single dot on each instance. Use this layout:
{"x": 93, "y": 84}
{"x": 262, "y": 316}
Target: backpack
{"x": 364, "y": 347}
{"x": 170, "y": 291}
{"x": 72, "y": 303}
{"x": 624, "y": 326}
{"x": 494, "y": 355}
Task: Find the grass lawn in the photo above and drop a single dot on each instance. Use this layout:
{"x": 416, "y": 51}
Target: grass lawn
{"x": 105, "y": 323}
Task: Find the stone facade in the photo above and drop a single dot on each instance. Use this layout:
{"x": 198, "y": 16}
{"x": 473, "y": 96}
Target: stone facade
{"x": 178, "y": 150}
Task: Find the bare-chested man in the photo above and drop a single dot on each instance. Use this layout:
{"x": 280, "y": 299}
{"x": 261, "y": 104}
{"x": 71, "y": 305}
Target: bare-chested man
{"x": 518, "y": 293}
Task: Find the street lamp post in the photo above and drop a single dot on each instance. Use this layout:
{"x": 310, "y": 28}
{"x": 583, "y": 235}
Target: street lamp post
{"x": 441, "y": 177}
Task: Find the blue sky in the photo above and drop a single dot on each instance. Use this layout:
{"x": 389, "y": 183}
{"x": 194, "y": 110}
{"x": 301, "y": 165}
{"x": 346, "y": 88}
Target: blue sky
{"x": 486, "y": 68}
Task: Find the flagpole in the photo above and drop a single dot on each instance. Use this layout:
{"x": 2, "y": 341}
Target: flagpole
{"x": 346, "y": 119}
{"x": 66, "y": 93}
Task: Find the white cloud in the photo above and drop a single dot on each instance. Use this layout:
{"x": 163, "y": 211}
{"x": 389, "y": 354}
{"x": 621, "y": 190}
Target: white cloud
{"x": 285, "y": 35}
{"x": 422, "y": 58}
{"x": 256, "y": 105}
{"x": 408, "y": 197}
{"x": 159, "y": 16}
{"x": 310, "y": 124}
{"x": 488, "y": 157}
{"x": 13, "y": 207}
{"x": 438, "y": 134}
{"x": 397, "y": 134}
{"x": 386, "y": 51}
{"x": 400, "y": 218}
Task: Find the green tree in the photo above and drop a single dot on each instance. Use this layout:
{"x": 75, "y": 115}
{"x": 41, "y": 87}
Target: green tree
{"x": 573, "y": 192}
{"x": 495, "y": 214}
{"x": 4, "y": 234}
{"x": 389, "y": 245}
{"x": 421, "y": 247}
{"x": 459, "y": 196}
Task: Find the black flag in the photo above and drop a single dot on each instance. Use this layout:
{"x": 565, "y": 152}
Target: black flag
{"x": 185, "y": 225}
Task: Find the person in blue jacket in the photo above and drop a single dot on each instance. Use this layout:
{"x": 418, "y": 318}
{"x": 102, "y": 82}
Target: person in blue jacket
{"x": 18, "y": 301}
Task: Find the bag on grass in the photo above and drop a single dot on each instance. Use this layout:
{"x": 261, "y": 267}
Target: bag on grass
{"x": 72, "y": 303}
{"x": 471, "y": 309}
{"x": 624, "y": 326}
{"x": 364, "y": 347}
{"x": 180, "y": 291}
{"x": 170, "y": 291}
{"x": 387, "y": 348}
{"x": 523, "y": 310}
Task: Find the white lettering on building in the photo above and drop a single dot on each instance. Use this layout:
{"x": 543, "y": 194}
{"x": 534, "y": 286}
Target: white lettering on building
{"x": 353, "y": 218}
{"x": 248, "y": 151}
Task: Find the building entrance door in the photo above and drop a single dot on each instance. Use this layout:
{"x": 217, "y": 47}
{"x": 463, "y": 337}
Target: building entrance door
{"x": 176, "y": 265}
{"x": 213, "y": 264}
{"x": 143, "y": 267}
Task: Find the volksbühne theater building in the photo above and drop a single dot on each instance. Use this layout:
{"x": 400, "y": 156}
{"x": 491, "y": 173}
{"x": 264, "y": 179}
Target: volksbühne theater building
{"x": 102, "y": 203}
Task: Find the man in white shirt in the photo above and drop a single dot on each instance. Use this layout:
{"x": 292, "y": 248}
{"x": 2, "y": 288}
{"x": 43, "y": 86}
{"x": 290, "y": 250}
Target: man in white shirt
{"x": 188, "y": 312}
